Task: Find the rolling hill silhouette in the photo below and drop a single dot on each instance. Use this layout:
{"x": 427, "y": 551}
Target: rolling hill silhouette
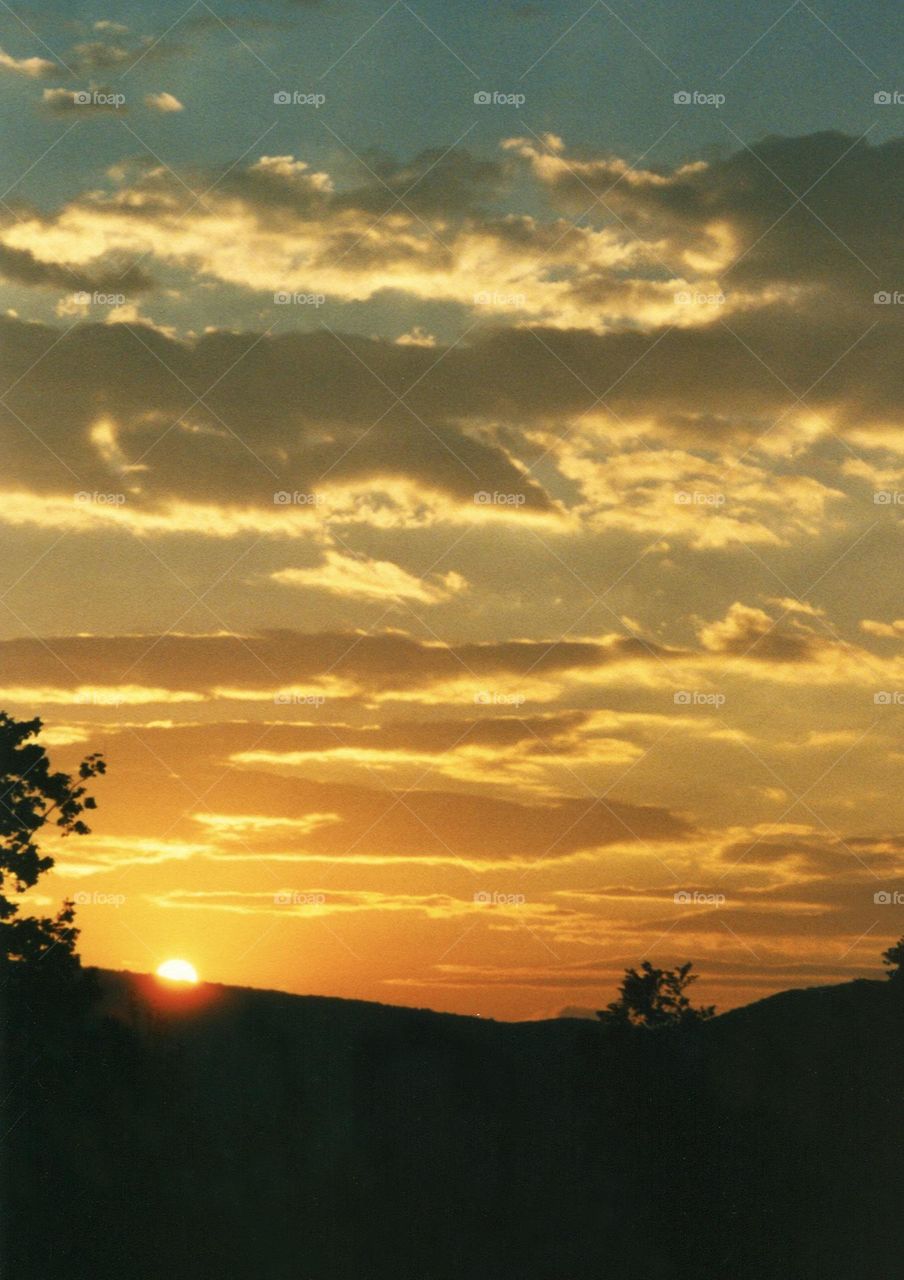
{"x": 232, "y": 1133}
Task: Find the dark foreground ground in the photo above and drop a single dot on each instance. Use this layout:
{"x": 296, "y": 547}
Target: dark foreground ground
{"x": 252, "y": 1135}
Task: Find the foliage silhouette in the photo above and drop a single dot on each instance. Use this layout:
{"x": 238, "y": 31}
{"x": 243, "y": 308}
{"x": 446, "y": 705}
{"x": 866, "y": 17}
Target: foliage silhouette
{"x": 36, "y": 950}
{"x": 655, "y": 998}
{"x": 894, "y": 958}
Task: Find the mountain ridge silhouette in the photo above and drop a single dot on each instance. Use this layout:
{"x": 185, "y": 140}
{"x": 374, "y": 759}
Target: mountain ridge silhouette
{"x": 219, "y": 1131}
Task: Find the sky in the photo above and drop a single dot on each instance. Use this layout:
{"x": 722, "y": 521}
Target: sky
{"x": 453, "y": 469}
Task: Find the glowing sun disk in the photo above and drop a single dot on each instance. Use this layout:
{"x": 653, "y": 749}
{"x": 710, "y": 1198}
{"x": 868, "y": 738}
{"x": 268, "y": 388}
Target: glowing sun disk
{"x": 177, "y": 971}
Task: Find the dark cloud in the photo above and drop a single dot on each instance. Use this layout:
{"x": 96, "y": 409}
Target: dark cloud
{"x": 101, "y": 56}
{"x": 205, "y": 22}
{"x": 817, "y": 856}
{"x": 275, "y": 659}
{"x": 22, "y": 267}
{"x": 184, "y": 743}
{"x": 177, "y": 780}
{"x": 278, "y": 413}
{"x": 846, "y": 221}
{"x": 751, "y": 632}
{"x": 602, "y": 975}
{"x": 437, "y": 182}
{"x": 304, "y": 405}
{"x": 411, "y": 824}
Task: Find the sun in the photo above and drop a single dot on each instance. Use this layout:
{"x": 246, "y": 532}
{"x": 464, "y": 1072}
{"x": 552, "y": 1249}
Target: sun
{"x": 177, "y": 971}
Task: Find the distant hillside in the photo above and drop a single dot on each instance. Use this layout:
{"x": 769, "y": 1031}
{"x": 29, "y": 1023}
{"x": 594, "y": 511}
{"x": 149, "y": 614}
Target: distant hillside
{"x": 231, "y": 1133}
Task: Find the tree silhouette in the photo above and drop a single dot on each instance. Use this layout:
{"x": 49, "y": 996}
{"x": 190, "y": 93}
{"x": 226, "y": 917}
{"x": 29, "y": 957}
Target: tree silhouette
{"x": 32, "y": 796}
{"x": 655, "y": 998}
{"x": 894, "y": 958}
